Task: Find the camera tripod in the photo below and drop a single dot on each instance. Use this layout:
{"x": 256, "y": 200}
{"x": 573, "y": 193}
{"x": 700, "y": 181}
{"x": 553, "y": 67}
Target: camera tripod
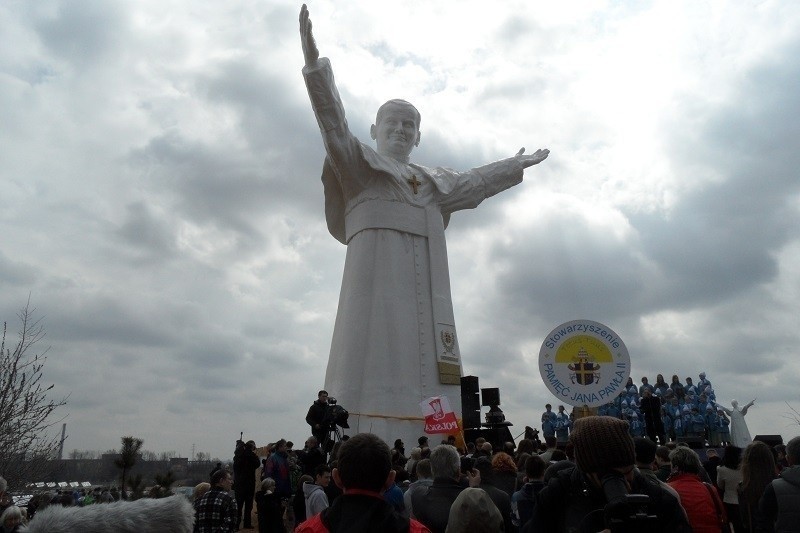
{"x": 333, "y": 436}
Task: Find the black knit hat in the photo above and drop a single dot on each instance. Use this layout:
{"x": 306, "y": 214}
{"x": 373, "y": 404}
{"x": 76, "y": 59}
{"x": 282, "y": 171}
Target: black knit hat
{"x": 602, "y": 442}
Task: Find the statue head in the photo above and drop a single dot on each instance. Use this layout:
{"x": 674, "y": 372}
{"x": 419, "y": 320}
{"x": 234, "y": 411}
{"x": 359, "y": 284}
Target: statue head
{"x": 735, "y": 404}
{"x": 396, "y": 129}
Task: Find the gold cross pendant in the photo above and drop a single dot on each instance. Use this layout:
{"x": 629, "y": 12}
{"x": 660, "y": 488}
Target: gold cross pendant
{"x": 414, "y": 182}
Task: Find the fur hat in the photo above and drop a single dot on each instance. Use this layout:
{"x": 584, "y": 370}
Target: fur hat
{"x": 602, "y": 442}
{"x": 146, "y": 515}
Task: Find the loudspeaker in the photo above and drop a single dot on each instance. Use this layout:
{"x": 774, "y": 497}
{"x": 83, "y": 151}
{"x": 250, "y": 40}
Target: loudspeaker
{"x": 471, "y": 418}
{"x": 695, "y": 443}
{"x": 469, "y": 385}
{"x": 490, "y": 397}
{"x": 470, "y": 403}
{"x": 769, "y": 440}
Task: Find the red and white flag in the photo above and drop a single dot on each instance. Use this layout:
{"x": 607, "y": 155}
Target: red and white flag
{"x": 439, "y": 416}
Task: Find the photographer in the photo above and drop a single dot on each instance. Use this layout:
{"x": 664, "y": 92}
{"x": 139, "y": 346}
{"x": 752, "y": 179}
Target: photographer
{"x": 245, "y": 463}
{"x": 317, "y": 417}
{"x": 604, "y": 490}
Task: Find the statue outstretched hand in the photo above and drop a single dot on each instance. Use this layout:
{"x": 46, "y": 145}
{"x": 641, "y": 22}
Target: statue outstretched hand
{"x": 534, "y": 159}
{"x": 310, "y": 51}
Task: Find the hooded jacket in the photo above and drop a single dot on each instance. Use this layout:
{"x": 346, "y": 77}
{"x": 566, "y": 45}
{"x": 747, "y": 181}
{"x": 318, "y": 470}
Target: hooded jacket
{"x": 524, "y": 500}
{"x": 473, "y": 511}
{"x": 316, "y": 499}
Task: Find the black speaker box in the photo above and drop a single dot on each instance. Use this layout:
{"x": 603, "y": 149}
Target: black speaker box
{"x": 471, "y": 418}
{"x": 769, "y": 440}
{"x": 469, "y": 402}
{"x": 695, "y": 443}
{"x": 490, "y": 397}
{"x": 469, "y": 385}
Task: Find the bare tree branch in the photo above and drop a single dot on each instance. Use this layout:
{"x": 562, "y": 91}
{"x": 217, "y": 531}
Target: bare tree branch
{"x": 25, "y": 405}
{"x": 794, "y": 416}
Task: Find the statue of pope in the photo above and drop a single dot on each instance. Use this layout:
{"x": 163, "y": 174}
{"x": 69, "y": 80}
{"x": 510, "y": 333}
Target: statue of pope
{"x": 394, "y": 340}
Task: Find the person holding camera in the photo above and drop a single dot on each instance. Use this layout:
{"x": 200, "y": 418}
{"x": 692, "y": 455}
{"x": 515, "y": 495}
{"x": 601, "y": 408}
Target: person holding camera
{"x": 317, "y": 417}
{"x": 245, "y": 464}
{"x": 604, "y": 491}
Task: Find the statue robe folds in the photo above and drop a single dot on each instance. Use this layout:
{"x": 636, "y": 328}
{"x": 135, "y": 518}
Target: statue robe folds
{"x": 394, "y": 341}
{"x": 740, "y": 434}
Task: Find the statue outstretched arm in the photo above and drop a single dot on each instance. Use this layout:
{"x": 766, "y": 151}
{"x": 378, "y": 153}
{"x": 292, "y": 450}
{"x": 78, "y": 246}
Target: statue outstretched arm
{"x": 310, "y": 51}
{"x": 465, "y": 190}
{"x": 749, "y": 405}
{"x": 533, "y": 159}
{"x": 340, "y": 145}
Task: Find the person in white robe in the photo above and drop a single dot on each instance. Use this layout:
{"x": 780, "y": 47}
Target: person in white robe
{"x": 394, "y": 341}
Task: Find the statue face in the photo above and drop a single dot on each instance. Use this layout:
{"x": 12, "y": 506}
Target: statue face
{"x": 397, "y": 131}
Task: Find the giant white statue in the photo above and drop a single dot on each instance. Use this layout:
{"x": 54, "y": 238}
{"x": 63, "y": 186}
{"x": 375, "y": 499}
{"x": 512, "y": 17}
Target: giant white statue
{"x": 394, "y": 341}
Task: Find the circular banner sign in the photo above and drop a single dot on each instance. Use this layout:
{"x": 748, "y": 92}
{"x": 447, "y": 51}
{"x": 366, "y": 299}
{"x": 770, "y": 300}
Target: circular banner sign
{"x": 584, "y": 363}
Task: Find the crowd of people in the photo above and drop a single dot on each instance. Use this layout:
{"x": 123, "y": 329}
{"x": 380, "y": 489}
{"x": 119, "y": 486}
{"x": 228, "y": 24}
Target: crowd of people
{"x": 591, "y": 473}
{"x": 601, "y": 478}
{"x": 666, "y": 412}
{"x": 20, "y": 515}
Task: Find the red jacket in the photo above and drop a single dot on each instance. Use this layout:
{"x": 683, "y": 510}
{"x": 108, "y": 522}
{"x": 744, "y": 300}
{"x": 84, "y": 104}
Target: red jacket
{"x": 315, "y": 525}
{"x": 358, "y": 510}
{"x": 698, "y": 502}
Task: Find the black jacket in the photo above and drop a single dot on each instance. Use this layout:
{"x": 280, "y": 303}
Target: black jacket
{"x": 432, "y": 507}
{"x": 571, "y": 503}
{"x": 245, "y": 463}
{"x": 316, "y": 415}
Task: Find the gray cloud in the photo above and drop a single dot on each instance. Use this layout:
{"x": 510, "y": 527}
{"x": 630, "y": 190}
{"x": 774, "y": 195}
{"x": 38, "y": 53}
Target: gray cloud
{"x": 161, "y": 204}
{"x": 83, "y": 33}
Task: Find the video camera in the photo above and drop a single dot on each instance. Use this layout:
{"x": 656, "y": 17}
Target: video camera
{"x": 625, "y": 513}
{"x": 335, "y": 415}
{"x": 533, "y": 435}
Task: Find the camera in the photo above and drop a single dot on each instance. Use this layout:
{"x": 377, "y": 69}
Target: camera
{"x": 625, "y": 512}
{"x": 335, "y": 415}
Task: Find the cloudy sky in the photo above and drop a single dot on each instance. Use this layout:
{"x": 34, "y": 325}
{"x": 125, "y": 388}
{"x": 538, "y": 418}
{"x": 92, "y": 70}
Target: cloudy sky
{"x": 161, "y": 202}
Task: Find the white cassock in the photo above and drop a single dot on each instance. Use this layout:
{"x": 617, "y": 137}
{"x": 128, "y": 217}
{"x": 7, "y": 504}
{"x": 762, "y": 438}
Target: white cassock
{"x": 740, "y": 434}
{"x": 394, "y": 341}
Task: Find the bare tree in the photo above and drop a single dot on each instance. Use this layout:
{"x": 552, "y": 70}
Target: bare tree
{"x": 202, "y": 457}
{"x": 166, "y": 456}
{"x": 84, "y": 454}
{"x": 794, "y": 416}
{"x": 25, "y": 405}
{"x": 148, "y": 455}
